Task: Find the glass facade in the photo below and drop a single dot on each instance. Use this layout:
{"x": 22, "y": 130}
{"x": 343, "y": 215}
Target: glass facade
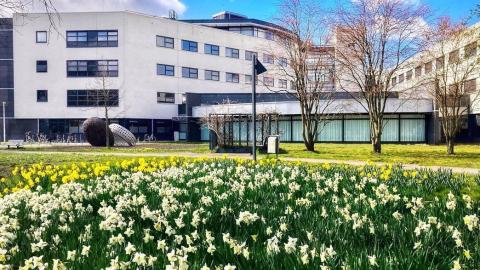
{"x": 349, "y": 128}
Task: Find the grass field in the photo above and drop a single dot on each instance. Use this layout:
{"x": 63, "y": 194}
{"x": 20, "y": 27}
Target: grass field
{"x": 467, "y": 156}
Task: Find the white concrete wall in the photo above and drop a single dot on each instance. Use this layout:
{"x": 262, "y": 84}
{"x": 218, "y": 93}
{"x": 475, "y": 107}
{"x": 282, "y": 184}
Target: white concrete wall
{"x": 340, "y": 106}
{"x": 137, "y": 55}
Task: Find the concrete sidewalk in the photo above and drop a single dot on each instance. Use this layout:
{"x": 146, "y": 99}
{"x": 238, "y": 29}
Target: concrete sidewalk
{"x": 457, "y": 170}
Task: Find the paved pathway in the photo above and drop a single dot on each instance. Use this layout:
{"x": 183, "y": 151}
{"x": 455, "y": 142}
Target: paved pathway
{"x": 247, "y": 156}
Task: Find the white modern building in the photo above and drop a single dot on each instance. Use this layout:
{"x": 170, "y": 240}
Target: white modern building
{"x": 163, "y": 75}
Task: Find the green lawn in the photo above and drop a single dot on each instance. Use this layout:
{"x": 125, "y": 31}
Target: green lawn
{"x": 467, "y": 156}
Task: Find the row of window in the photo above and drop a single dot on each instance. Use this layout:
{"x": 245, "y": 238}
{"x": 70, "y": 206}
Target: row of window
{"x": 109, "y": 68}
{"x": 85, "y": 39}
{"x": 214, "y": 75}
{"x": 212, "y": 49}
{"x": 92, "y": 68}
{"x": 469, "y": 50}
{"x": 85, "y": 68}
{"x": 98, "y": 98}
{"x": 252, "y": 31}
{"x": 85, "y": 98}
{"x": 92, "y": 98}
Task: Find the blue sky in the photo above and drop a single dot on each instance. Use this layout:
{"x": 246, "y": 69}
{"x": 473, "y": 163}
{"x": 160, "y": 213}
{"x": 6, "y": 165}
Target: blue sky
{"x": 265, "y": 9}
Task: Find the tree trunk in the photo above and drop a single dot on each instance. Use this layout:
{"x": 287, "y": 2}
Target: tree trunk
{"x": 308, "y": 137}
{"x": 107, "y": 134}
{"x": 450, "y": 146}
{"x": 310, "y": 145}
{"x": 377, "y": 146}
{"x": 376, "y": 136}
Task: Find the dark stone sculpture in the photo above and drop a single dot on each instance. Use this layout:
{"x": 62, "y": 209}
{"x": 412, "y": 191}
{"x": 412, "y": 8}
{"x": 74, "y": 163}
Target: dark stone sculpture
{"x": 94, "y": 130}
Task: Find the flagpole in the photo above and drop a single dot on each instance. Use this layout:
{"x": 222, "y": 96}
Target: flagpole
{"x": 254, "y": 107}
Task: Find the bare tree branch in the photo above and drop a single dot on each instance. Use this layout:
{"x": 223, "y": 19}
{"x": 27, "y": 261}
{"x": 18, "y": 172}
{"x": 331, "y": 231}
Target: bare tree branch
{"x": 9, "y": 7}
{"x": 308, "y": 66}
{"x": 452, "y": 84}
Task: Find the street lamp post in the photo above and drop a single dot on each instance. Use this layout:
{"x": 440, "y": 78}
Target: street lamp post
{"x": 257, "y": 69}
{"x": 4, "y": 126}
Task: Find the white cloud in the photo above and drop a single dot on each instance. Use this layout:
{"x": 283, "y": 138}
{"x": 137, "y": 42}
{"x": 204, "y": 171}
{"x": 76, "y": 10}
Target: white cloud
{"x": 152, "y": 7}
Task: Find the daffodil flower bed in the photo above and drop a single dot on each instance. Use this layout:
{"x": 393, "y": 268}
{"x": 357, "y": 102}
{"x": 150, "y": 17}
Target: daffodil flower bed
{"x": 233, "y": 214}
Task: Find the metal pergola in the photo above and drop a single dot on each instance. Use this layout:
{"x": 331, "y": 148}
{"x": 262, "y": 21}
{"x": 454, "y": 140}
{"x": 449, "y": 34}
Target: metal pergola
{"x": 267, "y": 124}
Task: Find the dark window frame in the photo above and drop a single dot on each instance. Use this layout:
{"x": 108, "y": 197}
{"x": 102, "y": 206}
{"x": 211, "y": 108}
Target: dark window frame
{"x": 269, "y": 35}
{"x": 46, "y": 36}
{"x": 45, "y": 95}
{"x": 90, "y": 98}
{"x": 209, "y": 75}
{"x": 92, "y": 68}
{"x": 394, "y": 81}
{"x": 271, "y": 81}
{"x": 189, "y": 73}
{"x": 470, "y": 50}
{"x": 91, "y": 38}
{"x": 232, "y": 77}
{"x": 189, "y": 45}
{"x": 212, "y": 49}
{"x": 454, "y": 56}
{"x": 168, "y": 70}
{"x": 249, "y": 55}
{"x": 166, "y": 98}
{"x": 249, "y": 80}
{"x": 282, "y": 83}
{"x": 428, "y": 67}
{"x": 168, "y": 42}
{"x": 268, "y": 58}
{"x": 232, "y": 53}
{"x": 418, "y": 71}
{"x": 440, "y": 62}
{"x": 409, "y": 75}
{"x": 42, "y": 66}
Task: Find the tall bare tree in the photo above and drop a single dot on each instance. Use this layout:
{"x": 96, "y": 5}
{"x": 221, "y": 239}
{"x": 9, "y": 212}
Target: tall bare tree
{"x": 374, "y": 38}
{"x": 306, "y": 63}
{"x": 452, "y": 84}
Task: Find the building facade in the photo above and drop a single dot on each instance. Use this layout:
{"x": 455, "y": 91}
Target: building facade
{"x": 162, "y": 76}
